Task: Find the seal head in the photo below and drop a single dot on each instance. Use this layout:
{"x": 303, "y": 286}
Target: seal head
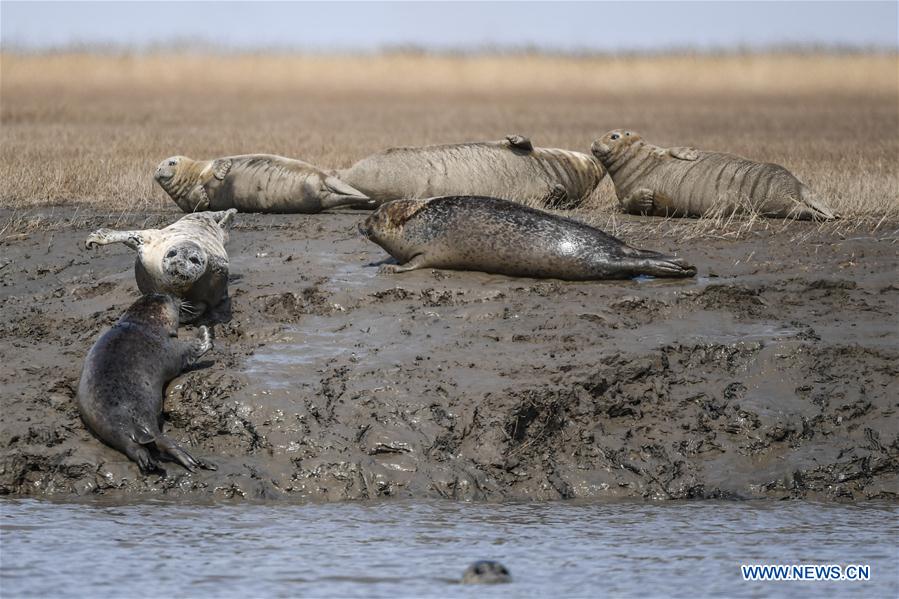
{"x": 184, "y": 263}
{"x": 183, "y": 178}
{"x": 385, "y": 226}
{"x": 612, "y": 143}
{"x": 486, "y": 572}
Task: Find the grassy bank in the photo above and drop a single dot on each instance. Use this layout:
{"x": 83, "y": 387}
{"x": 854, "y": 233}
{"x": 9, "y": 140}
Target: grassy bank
{"x": 81, "y": 128}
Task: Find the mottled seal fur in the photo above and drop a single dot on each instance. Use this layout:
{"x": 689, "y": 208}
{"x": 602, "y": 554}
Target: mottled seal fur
{"x": 253, "y": 183}
{"x": 688, "y": 182}
{"x": 511, "y": 169}
{"x": 187, "y": 259}
{"x": 498, "y": 236}
{"x": 121, "y": 390}
{"x": 486, "y": 572}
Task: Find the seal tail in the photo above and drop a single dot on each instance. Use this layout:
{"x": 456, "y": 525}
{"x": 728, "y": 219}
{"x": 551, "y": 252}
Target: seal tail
{"x": 339, "y": 193}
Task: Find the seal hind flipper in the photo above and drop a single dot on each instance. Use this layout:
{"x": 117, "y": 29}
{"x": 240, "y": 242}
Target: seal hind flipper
{"x": 340, "y": 193}
{"x": 173, "y": 451}
{"x": 220, "y": 168}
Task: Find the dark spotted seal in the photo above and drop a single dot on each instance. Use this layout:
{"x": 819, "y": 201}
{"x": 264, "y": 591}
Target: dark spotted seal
{"x": 689, "y": 182}
{"x": 497, "y": 236}
{"x": 512, "y": 169}
{"x": 187, "y": 259}
{"x": 121, "y": 390}
{"x": 486, "y": 572}
{"x": 253, "y": 183}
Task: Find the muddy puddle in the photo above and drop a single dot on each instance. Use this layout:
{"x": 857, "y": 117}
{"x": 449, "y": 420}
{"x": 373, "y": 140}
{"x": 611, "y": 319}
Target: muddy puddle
{"x": 772, "y": 376}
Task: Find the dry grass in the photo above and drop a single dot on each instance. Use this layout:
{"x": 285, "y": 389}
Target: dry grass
{"x": 89, "y": 129}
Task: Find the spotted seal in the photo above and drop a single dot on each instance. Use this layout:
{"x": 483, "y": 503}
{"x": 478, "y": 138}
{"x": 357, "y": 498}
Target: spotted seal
{"x": 512, "y": 169}
{"x": 186, "y": 259}
{"x": 120, "y": 394}
{"x": 688, "y": 182}
{"x": 497, "y": 236}
{"x": 253, "y": 183}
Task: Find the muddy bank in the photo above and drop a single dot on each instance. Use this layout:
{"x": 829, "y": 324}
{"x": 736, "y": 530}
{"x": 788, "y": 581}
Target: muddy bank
{"x": 772, "y": 374}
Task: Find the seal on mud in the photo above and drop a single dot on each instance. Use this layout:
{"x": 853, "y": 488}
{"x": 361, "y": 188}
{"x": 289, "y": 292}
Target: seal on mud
{"x": 187, "y": 259}
{"x": 253, "y": 183}
{"x": 121, "y": 390}
{"x": 497, "y": 236}
{"x": 688, "y": 182}
{"x": 486, "y": 572}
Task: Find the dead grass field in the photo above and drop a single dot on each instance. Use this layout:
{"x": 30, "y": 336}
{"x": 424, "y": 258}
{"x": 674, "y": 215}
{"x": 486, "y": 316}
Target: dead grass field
{"x": 88, "y": 129}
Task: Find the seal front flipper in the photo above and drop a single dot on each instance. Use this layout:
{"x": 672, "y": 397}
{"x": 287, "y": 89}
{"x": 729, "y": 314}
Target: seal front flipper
{"x": 640, "y": 201}
{"x": 520, "y": 142}
{"x": 193, "y": 350}
{"x": 689, "y": 154}
{"x": 220, "y": 168}
{"x": 132, "y": 239}
{"x": 417, "y": 261}
{"x": 197, "y": 200}
{"x": 557, "y": 198}
{"x": 224, "y": 218}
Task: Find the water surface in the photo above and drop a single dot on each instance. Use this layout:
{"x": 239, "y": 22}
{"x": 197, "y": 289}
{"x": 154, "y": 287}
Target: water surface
{"x": 421, "y": 548}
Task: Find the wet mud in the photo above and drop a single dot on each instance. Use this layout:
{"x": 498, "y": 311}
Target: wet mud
{"x": 772, "y": 374}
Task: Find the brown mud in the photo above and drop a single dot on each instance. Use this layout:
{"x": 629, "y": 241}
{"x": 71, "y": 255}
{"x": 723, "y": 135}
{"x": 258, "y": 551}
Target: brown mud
{"x": 771, "y": 374}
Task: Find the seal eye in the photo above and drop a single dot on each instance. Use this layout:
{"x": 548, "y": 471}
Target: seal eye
{"x": 172, "y": 163}
{"x": 171, "y": 254}
{"x": 615, "y": 136}
{"x": 194, "y": 260}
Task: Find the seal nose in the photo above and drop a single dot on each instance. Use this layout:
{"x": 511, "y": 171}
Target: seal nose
{"x": 364, "y": 229}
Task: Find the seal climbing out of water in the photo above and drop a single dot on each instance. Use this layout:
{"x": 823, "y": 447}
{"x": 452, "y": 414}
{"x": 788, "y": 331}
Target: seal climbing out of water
{"x": 186, "y": 259}
{"x": 486, "y": 572}
{"x": 253, "y": 183}
{"x": 688, "y": 182}
{"x": 121, "y": 390}
{"x": 497, "y": 236}
{"x": 512, "y": 169}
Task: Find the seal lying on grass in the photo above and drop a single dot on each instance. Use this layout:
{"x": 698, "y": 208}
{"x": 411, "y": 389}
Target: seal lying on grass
{"x": 688, "y": 182}
{"x": 253, "y": 183}
{"x": 186, "y": 259}
{"x": 497, "y": 236}
{"x": 512, "y": 169}
{"x": 121, "y": 390}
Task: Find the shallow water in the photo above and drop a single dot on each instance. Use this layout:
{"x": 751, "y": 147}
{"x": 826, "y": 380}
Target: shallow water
{"x": 421, "y": 549}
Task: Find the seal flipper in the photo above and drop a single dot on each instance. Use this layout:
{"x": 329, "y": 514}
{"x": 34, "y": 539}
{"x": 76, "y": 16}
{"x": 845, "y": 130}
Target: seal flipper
{"x": 689, "y": 154}
{"x": 339, "y": 193}
{"x": 520, "y": 142}
{"x": 812, "y": 208}
{"x": 171, "y": 450}
{"x": 557, "y": 198}
{"x": 220, "y": 167}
